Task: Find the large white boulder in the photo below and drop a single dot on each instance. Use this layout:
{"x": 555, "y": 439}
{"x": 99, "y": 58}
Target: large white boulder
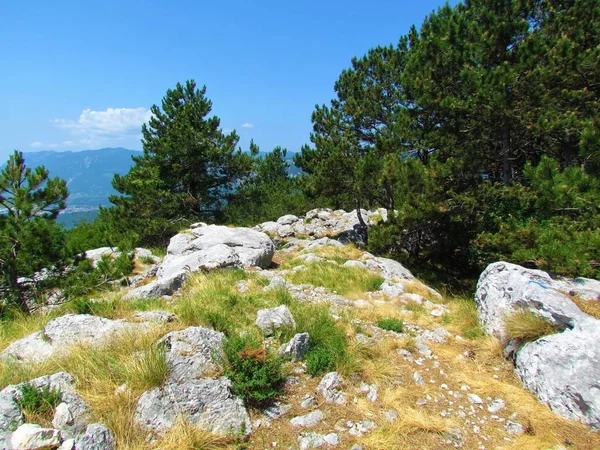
{"x": 562, "y": 369}
{"x": 192, "y": 353}
{"x": 62, "y": 333}
{"x": 216, "y": 246}
{"x": 208, "y": 403}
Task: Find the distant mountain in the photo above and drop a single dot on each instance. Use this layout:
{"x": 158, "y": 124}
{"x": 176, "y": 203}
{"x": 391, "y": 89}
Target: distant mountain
{"x": 89, "y": 174}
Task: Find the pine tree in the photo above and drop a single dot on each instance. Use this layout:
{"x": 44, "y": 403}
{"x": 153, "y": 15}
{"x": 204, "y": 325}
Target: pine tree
{"x": 29, "y": 240}
{"x": 188, "y": 168}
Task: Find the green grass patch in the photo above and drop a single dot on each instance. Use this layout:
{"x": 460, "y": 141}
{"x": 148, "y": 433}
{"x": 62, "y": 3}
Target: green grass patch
{"x": 391, "y": 324}
{"x": 215, "y": 302}
{"x": 343, "y": 280}
{"x": 38, "y": 404}
{"x": 328, "y": 345}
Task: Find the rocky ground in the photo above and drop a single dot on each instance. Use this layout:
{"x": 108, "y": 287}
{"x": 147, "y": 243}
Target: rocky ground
{"x": 143, "y": 370}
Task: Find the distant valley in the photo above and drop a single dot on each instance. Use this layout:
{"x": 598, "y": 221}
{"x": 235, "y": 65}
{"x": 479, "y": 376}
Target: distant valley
{"x": 89, "y": 174}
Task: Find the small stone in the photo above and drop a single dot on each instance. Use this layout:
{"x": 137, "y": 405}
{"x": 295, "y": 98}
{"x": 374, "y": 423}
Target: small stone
{"x": 296, "y": 347}
{"x": 97, "y": 437}
{"x": 370, "y": 390}
{"x": 30, "y": 436}
{"x": 391, "y": 415}
{"x": 308, "y": 420}
{"x": 269, "y": 320}
{"x": 418, "y": 379}
{"x": 62, "y": 416}
{"x": 328, "y": 388}
{"x": 514, "y": 428}
{"x": 474, "y": 398}
{"x": 496, "y": 405}
{"x": 308, "y": 401}
{"x": 277, "y": 410}
{"x": 68, "y": 444}
{"x": 362, "y": 427}
{"x": 314, "y": 440}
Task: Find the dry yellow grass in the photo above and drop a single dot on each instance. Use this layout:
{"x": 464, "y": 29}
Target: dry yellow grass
{"x": 591, "y": 307}
{"x": 528, "y": 326}
{"x": 185, "y": 436}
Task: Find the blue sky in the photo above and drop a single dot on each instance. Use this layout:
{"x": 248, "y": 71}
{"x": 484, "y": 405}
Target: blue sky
{"x": 82, "y": 74}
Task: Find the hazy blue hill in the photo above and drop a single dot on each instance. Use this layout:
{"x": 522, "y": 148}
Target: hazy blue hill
{"x": 88, "y": 173}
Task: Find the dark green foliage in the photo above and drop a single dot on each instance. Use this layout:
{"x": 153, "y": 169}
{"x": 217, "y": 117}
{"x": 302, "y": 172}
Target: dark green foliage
{"x": 188, "y": 168}
{"x": 319, "y": 360}
{"x": 268, "y": 193}
{"x": 256, "y": 375}
{"x": 391, "y": 324}
{"x": 37, "y": 402}
{"x": 29, "y": 238}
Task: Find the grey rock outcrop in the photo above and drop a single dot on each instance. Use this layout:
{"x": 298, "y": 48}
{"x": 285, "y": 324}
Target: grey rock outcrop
{"x": 96, "y": 437}
{"x": 561, "y": 369}
{"x": 61, "y": 333}
{"x": 296, "y": 347}
{"x": 269, "y": 320}
{"x": 324, "y": 222}
{"x": 329, "y": 388}
{"x": 206, "y": 247}
{"x": 11, "y": 417}
{"x": 208, "y": 403}
{"x": 192, "y": 353}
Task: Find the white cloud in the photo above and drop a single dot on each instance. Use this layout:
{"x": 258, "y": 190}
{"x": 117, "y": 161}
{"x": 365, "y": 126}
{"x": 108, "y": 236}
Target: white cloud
{"x": 38, "y": 144}
{"x": 247, "y": 125}
{"x": 110, "y": 123}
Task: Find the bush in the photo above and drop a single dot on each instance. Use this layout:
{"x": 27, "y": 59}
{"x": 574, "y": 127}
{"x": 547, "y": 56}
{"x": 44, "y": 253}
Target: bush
{"x": 256, "y": 375}
{"x": 319, "y": 360}
{"x": 391, "y": 324}
{"x": 38, "y": 404}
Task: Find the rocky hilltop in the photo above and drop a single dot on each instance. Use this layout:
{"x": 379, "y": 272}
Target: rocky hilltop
{"x": 374, "y": 358}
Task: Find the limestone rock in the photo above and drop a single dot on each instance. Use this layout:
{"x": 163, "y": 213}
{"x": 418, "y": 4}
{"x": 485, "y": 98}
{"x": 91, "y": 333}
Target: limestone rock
{"x": 328, "y": 388}
{"x": 215, "y": 246}
{"x": 96, "y": 437}
{"x": 190, "y": 353}
{"x": 208, "y": 403}
{"x": 158, "y": 287}
{"x": 61, "y": 333}
{"x": 309, "y": 420}
{"x": 155, "y": 316}
{"x": 269, "y": 320}
{"x": 314, "y": 440}
{"x": 11, "y": 417}
{"x": 296, "y": 347}
{"x": 30, "y": 436}
{"x": 562, "y": 369}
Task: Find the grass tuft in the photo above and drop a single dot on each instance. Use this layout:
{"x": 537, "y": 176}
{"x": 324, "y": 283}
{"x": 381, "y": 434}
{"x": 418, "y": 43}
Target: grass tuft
{"x": 38, "y": 404}
{"x": 391, "y": 324}
{"x": 528, "y": 326}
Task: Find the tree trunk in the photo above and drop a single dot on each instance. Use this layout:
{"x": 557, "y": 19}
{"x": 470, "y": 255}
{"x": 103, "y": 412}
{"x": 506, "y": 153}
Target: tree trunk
{"x": 363, "y": 229}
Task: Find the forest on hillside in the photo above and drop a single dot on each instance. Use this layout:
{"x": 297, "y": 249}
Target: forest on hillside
{"x": 479, "y": 130}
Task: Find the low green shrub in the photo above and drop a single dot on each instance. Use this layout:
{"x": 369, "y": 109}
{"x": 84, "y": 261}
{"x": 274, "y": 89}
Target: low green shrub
{"x": 257, "y": 376}
{"x": 391, "y": 324}
{"x": 319, "y": 360}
